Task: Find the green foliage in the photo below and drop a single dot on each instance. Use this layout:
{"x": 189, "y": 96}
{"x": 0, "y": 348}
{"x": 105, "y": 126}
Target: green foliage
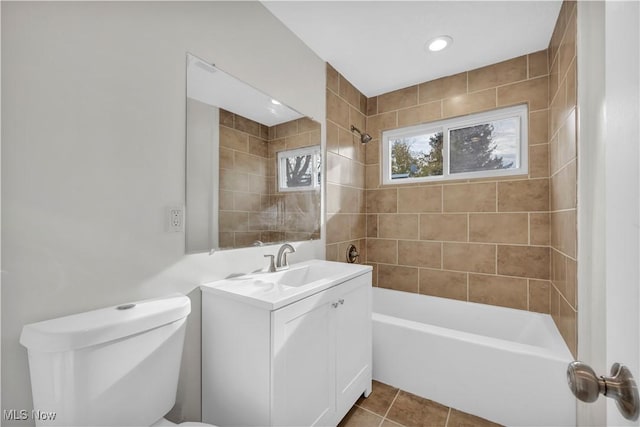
{"x": 471, "y": 149}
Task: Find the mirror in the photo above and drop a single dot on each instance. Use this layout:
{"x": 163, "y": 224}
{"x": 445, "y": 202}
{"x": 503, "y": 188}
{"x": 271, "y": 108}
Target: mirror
{"x": 253, "y": 172}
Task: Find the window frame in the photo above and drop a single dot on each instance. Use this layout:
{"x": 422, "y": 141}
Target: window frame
{"x": 315, "y": 153}
{"x": 520, "y": 111}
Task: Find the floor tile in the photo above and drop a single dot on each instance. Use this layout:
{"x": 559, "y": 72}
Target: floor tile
{"x": 358, "y": 417}
{"x": 461, "y": 419}
{"x": 380, "y": 398}
{"x": 414, "y": 411}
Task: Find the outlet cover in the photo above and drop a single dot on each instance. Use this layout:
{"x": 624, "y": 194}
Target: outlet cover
{"x": 175, "y": 219}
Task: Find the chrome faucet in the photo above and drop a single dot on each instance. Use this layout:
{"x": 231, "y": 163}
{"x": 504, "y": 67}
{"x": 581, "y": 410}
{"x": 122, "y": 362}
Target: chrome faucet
{"x": 281, "y": 261}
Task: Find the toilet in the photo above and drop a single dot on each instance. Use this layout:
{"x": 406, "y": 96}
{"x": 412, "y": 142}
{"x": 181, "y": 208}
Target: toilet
{"x": 116, "y": 366}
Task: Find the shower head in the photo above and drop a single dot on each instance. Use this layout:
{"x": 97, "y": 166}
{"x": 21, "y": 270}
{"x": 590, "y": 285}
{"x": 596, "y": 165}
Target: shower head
{"x": 364, "y": 137}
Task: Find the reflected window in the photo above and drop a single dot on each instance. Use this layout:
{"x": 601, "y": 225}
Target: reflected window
{"x": 299, "y": 170}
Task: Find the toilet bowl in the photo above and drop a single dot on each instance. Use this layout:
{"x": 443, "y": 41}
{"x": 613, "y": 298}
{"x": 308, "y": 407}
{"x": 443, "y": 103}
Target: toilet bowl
{"x": 92, "y": 368}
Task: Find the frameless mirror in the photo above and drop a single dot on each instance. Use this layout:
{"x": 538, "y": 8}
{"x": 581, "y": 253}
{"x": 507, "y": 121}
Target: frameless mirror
{"x": 253, "y": 172}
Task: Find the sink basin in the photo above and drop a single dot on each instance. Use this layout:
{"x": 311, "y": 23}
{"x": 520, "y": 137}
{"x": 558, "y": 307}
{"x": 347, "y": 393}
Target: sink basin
{"x": 280, "y": 288}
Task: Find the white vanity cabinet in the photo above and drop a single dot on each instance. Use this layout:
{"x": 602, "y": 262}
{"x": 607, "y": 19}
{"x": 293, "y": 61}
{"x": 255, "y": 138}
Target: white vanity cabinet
{"x": 302, "y": 364}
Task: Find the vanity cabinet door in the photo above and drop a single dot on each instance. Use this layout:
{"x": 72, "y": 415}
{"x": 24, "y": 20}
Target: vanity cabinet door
{"x": 353, "y": 343}
{"x": 303, "y": 355}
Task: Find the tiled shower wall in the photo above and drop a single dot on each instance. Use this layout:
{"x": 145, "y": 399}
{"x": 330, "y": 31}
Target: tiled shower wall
{"x": 508, "y": 242}
{"x": 562, "y": 156}
{"x": 251, "y": 209}
{"x": 486, "y": 240}
{"x": 346, "y": 220}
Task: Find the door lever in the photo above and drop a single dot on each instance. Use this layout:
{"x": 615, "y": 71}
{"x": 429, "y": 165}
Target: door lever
{"x": 620, "y": 386}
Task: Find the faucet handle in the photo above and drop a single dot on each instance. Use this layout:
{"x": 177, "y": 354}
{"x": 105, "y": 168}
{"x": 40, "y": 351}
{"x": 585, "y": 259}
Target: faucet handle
{"x": 272, "y": 264}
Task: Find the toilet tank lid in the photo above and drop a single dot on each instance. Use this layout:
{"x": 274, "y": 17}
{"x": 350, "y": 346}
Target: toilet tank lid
{"x": 104, "y": 325}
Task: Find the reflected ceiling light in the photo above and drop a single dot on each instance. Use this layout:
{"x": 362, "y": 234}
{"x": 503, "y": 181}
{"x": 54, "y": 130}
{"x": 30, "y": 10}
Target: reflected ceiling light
{"x": 275, "y": 102}
{"x": 439, "y": 43}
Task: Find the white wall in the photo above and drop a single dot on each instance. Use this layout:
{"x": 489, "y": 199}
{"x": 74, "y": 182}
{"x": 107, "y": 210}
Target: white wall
{"x": 93, "y": 151}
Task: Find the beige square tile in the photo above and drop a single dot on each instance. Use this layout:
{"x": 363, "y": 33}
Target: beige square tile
{"x": 248, "y": 126}
{"x": 288, "y": 129}
{"x": 424, "y": 113}
{"x": 539, "y": 161}
{"x": 445, "y": 87}
{"x": 331, "y": 252}
{"x": 571, "y": 290}
{"x": 398, "y": 277}
{"x": 226, "y": 118}
{"x": 306, "y": 124}
{"x": 349, "y": 92}
{"x": 338, "y": 169}
{"x": 524, "y": 261}
{"x": 497, "y": 290}
{"x": 512, "y": 70}
{"x": 233, "y": 181}
{"x": 538, "y": 63}
{"x": 226, "y": 239}
{"x": 539, "y": 127}
{"x": 260, "y": 184}
{"x": 472, "y": 257}
{"x": 539, "y": 229}
{"x": 380, "y": 122}
{"x": 469, "y": 197}
{"x": 233, "y": 221}
{"x": 248, "y": 202}
{"x": 419, "y": 254}
{"x": 358, "y": 175}
{"x": 338, "y": 228}
{"x": 225, "y": 200}
{"x": 564, "y": 188}
{"x": 398, "y": 226}
{"x": 523, "y": 196}
{"x": 535, "y": 92}
{"x": 563, "y": 232}
{"x": 358, "y": 417}
{"x": 568, "y": 326}
{"x": 380, "y": 399}
{"x": 372, "y": 106}
{"x": 372, "y": 152}
{"x": 258, "y": 147}
{"x": 382, "y": 251}
{"x": 414, "y": 411}
{"x": 469, "y": 103}
{"x": 567, "y": 50}
{"x": 333, "y": 141}
{"x": 445, "y": 284}
{"x": 499, "y": 228}
{"x": 226, "y": 158}
{"x": 358, "y": 226}
{"x": 401, "y": 98}
{"x": 540, "y": 296}
{"x": 572, "y": 83}
{"x": 420, "y": 199}
{"x": 337, "y": 110}
{"x": 566, "y": 150}
{"x": 558, "y": 108}
{"x": 372, "y": 225}
{"x": 332, "y": 79}
{"x": 298, "y": 140}
{"x": 461, "y": 419}
{"x": 443, "y": 227}
{"x": 372, "y": 177}
{"x": 249, "y": 163}
{"x": 246, "y": 239}
{"x": 382, "y": 201}
{"x": 233, "y": 139}
{"x": 553, "y": 81}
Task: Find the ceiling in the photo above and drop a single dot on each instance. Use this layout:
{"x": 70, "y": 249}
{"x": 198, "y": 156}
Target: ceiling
{"x": 379, "y": 45}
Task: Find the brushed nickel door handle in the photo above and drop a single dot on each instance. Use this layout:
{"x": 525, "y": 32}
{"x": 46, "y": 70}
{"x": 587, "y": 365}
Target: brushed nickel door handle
{"x": 620, "y": 386}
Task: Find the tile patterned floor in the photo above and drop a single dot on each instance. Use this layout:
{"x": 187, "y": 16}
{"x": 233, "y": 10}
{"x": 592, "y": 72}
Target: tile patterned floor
{"x": 388, "y": 406}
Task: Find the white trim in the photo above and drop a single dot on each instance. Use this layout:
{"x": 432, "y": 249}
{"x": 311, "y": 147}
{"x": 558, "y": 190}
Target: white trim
{"x": 446, "y": 126}
{"x": 314, "y": 151}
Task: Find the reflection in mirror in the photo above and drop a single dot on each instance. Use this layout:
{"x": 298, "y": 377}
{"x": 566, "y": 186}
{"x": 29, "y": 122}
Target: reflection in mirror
{"x": 253, "y": 165}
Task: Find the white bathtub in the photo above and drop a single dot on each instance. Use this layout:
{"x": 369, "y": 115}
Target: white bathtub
{"x": 508, "y": 366}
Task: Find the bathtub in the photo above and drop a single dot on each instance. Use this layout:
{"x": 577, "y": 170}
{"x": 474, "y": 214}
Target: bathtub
{"x": 505, "y": 365}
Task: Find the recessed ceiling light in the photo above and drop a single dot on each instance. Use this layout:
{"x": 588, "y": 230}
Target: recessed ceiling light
{"x": 439, "y": 43}
{"x": 275, "y": 102}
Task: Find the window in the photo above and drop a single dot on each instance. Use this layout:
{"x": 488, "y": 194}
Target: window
{"x": 299, "y": 169}
{"x": 480, "y": 145}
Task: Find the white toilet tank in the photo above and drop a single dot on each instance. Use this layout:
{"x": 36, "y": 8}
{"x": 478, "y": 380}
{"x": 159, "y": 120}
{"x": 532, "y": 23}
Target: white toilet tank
{"x": 117, "y": 366}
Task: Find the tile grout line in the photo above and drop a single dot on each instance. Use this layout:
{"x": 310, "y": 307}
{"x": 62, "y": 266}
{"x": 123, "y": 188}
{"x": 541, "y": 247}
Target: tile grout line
{"x": 384, "y": 417}
{"x": 446, "y": 423}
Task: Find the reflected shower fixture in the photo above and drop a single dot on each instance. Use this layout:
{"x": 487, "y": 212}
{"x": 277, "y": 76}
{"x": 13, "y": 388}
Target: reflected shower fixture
{"x": 364, "y": 137}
